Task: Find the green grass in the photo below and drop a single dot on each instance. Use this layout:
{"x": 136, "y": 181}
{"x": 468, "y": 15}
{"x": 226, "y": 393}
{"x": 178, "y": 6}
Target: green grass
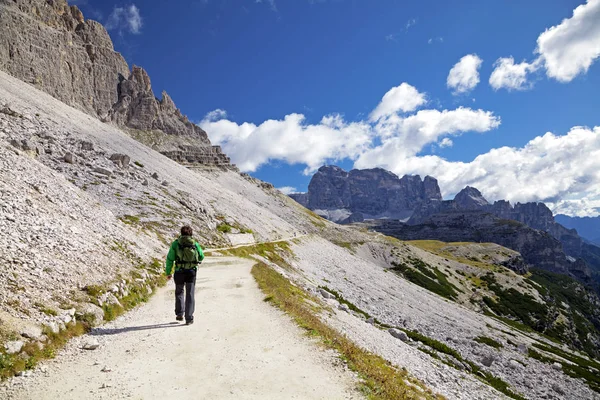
{"x": 273, "y": 251}
{"x": 94, "y": 290}
{"x": 434, "y": 344}
{"x": 489, "y": 341}
{"x": 561, "y": 288}
{"x": 380, "y": 380}
{"x": 12, "y": 364}
{"x": 346, "y": 245}
{"x": 130, "y": 219}
{"x": 224, "y": 227}
{"x": 139, "y": 164}
{"x": 439, "y": 248}
{"x": 342, "y": 300}
{"x": 513, "y": 303}
{"x": 578, "y": 370}
{"x": 434, "y": 281}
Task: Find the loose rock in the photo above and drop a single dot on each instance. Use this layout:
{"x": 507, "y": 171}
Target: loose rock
{"x": 398, "y": 334}
{"x": 69, "y": 158}
{"x": 33, "y": 332}
{"x": 557, "y": 366}
{"x": 14, "y": 346}
{"x": 488, "y": 360}
{"x": 103, "y": 171}
{"x": 91, "y": 344}
{"x": 326, "y": 294}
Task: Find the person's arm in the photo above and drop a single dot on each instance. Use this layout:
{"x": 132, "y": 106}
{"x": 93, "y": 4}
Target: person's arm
{"x": 170, "y": 259}
{"x": 200, "y": 253}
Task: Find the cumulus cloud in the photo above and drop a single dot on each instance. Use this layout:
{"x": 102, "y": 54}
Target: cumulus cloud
{"x": 587, "y": 206}
{"x": 570, "y": 48}
{"x": 562, "y": 171}
{"x": 295, "y": 141}
{"x": 125, "y": 19}
{"x": 511, "y": 76}
{"x": 403, "y": 138}
{"x": 565, "y": 51}
{"x": 411, "y": 134}
{"x": 464, "y": 75}
{"x": 290, "y": 139}
{"x": 287, "y": 189}
{"x": 405, "y": 98}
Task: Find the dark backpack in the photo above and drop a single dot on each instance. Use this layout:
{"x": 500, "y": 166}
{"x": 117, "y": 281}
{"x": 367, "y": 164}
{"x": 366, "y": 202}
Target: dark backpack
{"x": 187, "y": 253}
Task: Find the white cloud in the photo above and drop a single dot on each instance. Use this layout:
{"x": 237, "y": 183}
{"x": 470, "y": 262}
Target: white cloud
{"x": 403, "y": 98}
{"x": 570, "y": 48}
{"x": 586, "y": 206}
{"x": 403, "y": 138}
{"x": 446, "y": 142}
{"x": 562, "y": 171}
{"x": 438, "y": 39}
{"x": 216, "y": 115}
{"x": 291, "y": 140}
{"x": 294, "y": 141}
{"x": 565, "y": 51}
{"x": 410, "y": 23}
{"x": 464, "y": 75}
{"x": 511, "y": 76}
{"x": 125, "y": 19}
{"x": 287, "y": 189}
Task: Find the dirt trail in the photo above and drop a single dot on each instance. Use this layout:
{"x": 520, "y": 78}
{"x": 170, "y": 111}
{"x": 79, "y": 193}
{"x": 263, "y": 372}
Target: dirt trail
{"x": 238, "y": 348}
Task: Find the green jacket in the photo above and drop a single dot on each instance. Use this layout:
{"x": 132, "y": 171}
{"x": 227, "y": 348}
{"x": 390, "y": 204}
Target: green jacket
{"x": 171, "y": 257}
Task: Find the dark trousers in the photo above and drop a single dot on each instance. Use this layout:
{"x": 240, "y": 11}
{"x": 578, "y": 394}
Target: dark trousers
{"x": 185, "y": 279}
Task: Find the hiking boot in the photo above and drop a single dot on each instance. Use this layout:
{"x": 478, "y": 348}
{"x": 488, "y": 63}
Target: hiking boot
{"x": 189, "y": 322}
{"x": 179, "y": 318}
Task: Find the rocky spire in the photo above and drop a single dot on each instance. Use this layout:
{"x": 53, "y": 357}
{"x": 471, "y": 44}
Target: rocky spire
{"x": 73, "y": 59}
{"x": 470, "y": 199}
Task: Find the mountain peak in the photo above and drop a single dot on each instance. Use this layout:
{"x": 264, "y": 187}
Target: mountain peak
{"x": 470, "y": 198}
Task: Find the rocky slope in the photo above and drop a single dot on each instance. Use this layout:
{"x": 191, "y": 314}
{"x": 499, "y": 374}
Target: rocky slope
{"x": 534, "y": 215}
{"x": 82, "y": 203}
{"x": 537, "y": 247}
{"x": 50, "y": 45}
{"x": 355, "y": 196}
{"x": 106, "y": 204}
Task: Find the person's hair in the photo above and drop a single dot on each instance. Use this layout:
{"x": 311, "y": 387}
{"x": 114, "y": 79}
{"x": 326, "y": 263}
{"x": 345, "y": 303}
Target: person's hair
{"x": 187, "y": 231}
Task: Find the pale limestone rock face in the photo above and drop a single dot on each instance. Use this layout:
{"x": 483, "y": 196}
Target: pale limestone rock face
{"x": 372, "y": 193}
{"x": 50, "y": 45}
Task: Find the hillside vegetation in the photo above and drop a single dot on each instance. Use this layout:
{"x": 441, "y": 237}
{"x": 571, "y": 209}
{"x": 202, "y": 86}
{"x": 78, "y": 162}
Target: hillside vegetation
{"x": 86, "y": 232}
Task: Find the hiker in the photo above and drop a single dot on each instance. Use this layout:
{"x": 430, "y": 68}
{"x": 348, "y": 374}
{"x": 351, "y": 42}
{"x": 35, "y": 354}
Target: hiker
{"x": 186, "y": 253}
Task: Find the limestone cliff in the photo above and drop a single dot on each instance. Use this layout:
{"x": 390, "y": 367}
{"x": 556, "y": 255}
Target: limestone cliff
{"x": 371, "y": 193}
{"x": 50, "y": 45}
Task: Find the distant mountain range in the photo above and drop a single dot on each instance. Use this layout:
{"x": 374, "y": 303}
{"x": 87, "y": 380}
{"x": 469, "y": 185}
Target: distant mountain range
{"x": 412, "y": 208}
{"x": 587, "y": 227}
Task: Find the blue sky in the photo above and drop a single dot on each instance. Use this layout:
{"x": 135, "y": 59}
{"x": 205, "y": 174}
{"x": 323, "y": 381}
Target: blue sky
{"x": 247, "y": 70}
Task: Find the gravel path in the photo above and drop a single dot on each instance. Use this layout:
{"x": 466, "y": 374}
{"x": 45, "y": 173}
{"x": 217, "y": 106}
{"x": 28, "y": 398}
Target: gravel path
{"x": 239, "y": 347}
